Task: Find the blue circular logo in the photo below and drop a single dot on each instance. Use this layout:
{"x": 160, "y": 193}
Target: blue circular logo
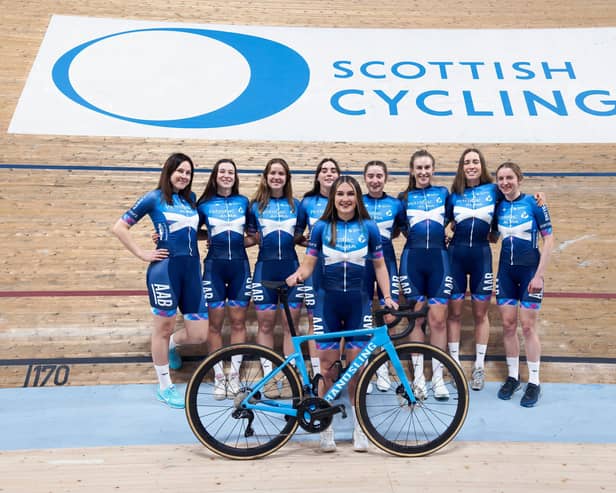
{"x": 278, "y": 77}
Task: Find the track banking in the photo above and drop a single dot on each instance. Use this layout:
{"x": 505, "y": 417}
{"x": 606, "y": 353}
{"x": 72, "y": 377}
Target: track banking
{"x": 461, "y": 98}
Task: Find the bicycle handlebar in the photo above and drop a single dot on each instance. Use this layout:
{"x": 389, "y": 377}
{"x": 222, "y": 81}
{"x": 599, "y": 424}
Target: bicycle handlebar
{"x": 403, "y": 311}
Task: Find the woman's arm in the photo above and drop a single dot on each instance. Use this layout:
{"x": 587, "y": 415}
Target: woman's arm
{"x": 303, "y": 272}
{"x": 536, "y": 283}
{"x": 122, "y": 231}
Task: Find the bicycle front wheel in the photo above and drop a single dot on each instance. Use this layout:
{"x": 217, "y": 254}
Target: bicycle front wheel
{"x": 396, "y": 425}
{"x": 214, "y": 394}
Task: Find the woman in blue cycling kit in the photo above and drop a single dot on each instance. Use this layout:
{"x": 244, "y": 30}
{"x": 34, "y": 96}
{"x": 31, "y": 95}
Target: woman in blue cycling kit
{"x": 345, "y": 238}
{"x": 520, "y": 279}
{"x": 471, "y": 208}
{"x": 174, "y": 272}
{"x": 311, "y": 209}
{"x": 226, "y": 271}
{"x": 389, "y": 215}
{"x": 424, "y": 264}
{"x": 273, "y": 219}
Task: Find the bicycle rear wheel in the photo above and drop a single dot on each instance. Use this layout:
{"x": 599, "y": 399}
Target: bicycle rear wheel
{"x": 412, "y": 430}
{"x": 212, "y": 405}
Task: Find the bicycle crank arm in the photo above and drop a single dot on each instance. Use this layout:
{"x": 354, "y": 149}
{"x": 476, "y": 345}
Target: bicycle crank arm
{"x": 329, "y": 412}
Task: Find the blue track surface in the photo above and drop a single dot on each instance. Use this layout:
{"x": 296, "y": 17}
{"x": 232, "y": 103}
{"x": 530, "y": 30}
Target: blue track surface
{"x": 116, "y": 415}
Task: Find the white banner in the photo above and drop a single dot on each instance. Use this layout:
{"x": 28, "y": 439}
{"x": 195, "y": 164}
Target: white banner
{"x": 110, "y": 77}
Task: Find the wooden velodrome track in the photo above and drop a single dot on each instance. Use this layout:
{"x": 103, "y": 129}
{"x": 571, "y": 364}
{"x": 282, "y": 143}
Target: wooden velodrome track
{"x": 72, "y": 294}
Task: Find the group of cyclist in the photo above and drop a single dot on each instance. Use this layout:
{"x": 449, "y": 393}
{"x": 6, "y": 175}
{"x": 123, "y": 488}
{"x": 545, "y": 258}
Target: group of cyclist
{"x": 349, "y": 252}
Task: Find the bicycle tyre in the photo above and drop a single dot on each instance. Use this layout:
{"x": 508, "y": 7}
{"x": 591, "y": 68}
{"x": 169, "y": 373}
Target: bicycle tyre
{"x": 211, "y": 418}
{"x": 412, "y": 430}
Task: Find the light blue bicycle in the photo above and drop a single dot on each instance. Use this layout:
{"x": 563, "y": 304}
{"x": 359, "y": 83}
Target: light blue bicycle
{"x": 255, "y": 415}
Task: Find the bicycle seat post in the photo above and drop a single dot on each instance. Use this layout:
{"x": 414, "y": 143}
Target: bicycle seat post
{"x": 282, "y": 289}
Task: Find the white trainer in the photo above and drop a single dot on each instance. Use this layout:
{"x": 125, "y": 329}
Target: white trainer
{"x": 370, "y": 388}
{"x": 360, "y": 440}
{"x": 383, "y": 382}
{"x": 327, "y": 443}
{"x": 478, "y": 379}
{"x": 440, "y": 389}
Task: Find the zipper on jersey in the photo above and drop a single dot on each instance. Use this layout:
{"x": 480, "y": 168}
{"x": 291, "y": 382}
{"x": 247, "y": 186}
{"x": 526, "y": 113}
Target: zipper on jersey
{"x": 427, "y": 220}
{"x": 473, "y": 218}
{"x": 228, "y": 228}
{"x": 345, "y": 262}
{"x": 279, "y": 232}
{"x": 511, "y": 236}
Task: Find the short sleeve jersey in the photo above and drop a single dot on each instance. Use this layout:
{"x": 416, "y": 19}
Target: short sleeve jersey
{"x": 473, "y": 212}
{"x": 176, "y": 223}
{"x": 276, "y": 226}
{"x": 343, "y": 263}
{"x": 225, "y": 219}
{"x": 388, "y": 214}
{"x": 425, "y": 217}
{"x": 520, "y": 222}
{"x": 311, "y": 209}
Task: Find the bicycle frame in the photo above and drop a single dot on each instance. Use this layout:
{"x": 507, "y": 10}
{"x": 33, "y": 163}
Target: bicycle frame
{"x": 380, "y": 338}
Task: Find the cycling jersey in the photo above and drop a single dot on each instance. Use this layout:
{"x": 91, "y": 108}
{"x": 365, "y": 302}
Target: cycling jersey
{"x": 176, "y": 223}
{"x": 344, "y": 263}
{"x": 225, "y": 220}
{"x": 276, "y": 226}
{"x": 473, "y": 212}
{"x": 425, "y": 217}
{"x": 519, "y": 223}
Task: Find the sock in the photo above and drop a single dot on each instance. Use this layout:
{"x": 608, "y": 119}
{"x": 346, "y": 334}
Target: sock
{"x": 236, "y": 363}
{"x": 418, "y": 366}
{"x": 533, "y": 372}
{"x": 219, "y": 371}
{"x": 513, "y": 365}
{"x": 315, "y": 362}
{"x": 266, "y": 364}
{"x": 164, "y": 379}
{"x": 480, "y": 354}
{"x": 454, "y": 350}
{"x": 437, "y": 370}
{"x": 172, "y": 344}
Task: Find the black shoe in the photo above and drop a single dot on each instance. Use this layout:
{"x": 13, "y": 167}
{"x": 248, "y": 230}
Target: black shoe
{"x": 531, "y": 395}
{"x": 510, "y": 386}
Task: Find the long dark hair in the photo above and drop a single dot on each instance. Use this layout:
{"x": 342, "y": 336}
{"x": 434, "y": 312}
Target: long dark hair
{"x": 263, "y": 193}
{"x": 164, "y": 182}
{"x": 211, "y": 188}
{"x": 316, "y": 186}
{"x": 412, "y": 183}
{"x": 330, "y": 214}
{"x": 459, "y": 182}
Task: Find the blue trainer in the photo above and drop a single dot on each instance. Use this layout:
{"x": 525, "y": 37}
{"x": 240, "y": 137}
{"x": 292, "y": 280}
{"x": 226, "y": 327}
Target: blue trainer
{"x": 510, "y": 386}
{"x": 531, "y": 395}
{"x": 171, "y": 397}
{"x": 175, "y": 360}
